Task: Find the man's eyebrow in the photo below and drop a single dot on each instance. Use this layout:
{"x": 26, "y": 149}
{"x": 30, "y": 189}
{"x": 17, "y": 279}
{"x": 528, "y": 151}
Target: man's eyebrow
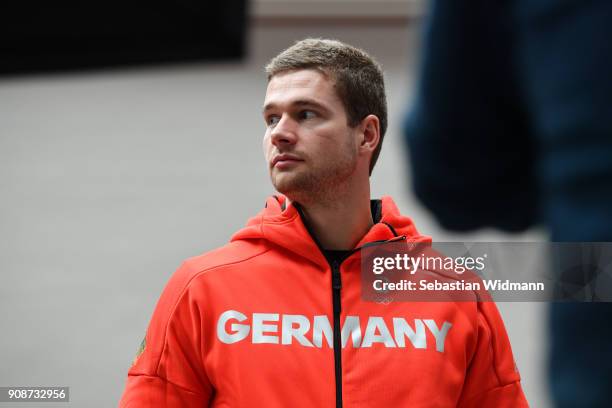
{"x": 299, "y": 102}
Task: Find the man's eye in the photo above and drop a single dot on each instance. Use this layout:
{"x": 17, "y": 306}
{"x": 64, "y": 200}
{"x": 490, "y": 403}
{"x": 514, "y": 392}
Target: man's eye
{"x": 306, "y": 114}
{"x": 272, "y": 120}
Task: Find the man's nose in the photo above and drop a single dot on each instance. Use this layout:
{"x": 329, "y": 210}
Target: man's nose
{"x": 284, "y": 132}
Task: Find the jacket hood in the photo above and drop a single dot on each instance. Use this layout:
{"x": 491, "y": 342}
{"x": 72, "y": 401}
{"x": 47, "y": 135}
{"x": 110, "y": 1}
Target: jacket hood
{"x": 282, "y": 224}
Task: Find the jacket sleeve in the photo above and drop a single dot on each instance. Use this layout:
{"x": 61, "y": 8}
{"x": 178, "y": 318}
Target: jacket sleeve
{"x": 169, "y": 370}
{"x": 492, "y": 379}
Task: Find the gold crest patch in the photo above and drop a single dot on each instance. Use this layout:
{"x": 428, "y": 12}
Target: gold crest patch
{"x": 141, "y": 350}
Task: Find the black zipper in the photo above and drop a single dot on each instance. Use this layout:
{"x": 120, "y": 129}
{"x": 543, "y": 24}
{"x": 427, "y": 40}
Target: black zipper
{"x": 337, "y": 309}
{"x": 336, "y": 299}
{"x": 337, "y": 305}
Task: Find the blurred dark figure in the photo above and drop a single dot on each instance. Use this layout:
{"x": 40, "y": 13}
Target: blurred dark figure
{"x": 512, "y": 126}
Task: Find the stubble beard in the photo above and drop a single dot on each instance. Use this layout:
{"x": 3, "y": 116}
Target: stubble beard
{"x": 322, "y": 184}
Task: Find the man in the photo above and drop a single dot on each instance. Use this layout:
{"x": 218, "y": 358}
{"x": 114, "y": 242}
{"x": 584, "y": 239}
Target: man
{"x": 275, "y": 318}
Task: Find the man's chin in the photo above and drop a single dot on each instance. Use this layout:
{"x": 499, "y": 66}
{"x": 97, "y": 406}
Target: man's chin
{"x": 284, "y": 182}
{"x": 292, "y": 189}
{"x": 286, "y": 190}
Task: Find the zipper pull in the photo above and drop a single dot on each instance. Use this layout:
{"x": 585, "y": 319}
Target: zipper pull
{"x": 336, "y": 278}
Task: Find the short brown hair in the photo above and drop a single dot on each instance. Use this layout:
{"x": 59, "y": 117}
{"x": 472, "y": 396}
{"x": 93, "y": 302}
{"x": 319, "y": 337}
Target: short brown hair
{"x": 358, "y": 78}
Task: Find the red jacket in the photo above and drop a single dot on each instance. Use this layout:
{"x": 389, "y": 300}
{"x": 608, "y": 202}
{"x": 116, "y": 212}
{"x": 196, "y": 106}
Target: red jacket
{"x": 251, "y": 324}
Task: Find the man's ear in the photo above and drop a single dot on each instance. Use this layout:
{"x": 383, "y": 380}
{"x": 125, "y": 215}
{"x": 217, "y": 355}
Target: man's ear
{"x": 370, "y": 134}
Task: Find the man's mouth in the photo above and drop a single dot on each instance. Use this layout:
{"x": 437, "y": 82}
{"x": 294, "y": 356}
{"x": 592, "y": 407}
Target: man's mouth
{"x": 285, "y": 160}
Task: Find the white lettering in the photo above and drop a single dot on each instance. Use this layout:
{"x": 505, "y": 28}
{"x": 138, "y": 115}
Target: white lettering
{"x": 232, "y": 327}
{"x": 289, "y": 332}
{"x": 378, "y": 269}
{"x": 320, "y": 328}
{"x": 377, "y": 324}
{"x": 259, "y": 328}
{"x": 351, "y": 327}
{"x": 240, "y": 331}
{"x": 439, "y": 334}
{"x": 402, "y": 329}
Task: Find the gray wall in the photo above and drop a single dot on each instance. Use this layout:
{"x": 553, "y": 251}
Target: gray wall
{"x": 110, "y": 179}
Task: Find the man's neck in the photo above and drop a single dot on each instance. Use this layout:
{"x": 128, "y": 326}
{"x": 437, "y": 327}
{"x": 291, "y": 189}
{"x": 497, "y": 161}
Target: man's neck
{"x": 339, "y": 224}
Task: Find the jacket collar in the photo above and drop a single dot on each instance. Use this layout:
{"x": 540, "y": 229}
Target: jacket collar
{"x": 281, "y": 224}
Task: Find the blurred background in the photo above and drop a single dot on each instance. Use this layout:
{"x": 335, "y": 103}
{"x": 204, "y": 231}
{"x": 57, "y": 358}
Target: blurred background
{"x": 121, "y": 159}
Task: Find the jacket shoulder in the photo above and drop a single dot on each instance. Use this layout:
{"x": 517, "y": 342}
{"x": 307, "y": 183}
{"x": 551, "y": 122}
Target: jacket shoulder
{"x": 234, "y": 252}
{"x": 174, "y": 305}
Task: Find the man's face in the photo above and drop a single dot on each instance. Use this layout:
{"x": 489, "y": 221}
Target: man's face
{"x": 309, "y": 147}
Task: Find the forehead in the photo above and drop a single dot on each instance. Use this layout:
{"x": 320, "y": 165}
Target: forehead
{"x": 287, "y": 87}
